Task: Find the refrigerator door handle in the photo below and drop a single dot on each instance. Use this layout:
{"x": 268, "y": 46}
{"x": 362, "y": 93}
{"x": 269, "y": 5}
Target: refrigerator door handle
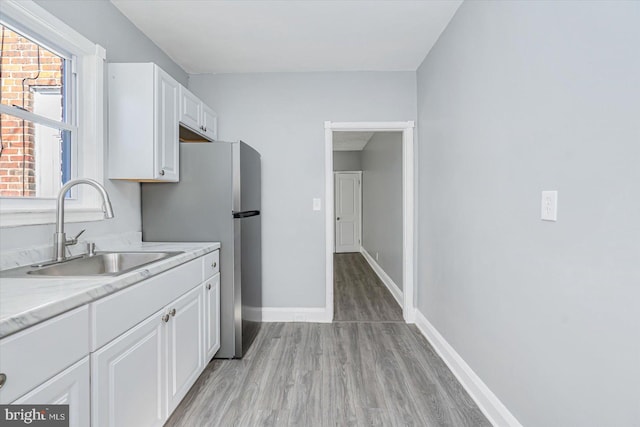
{"x": 245, "y": 214}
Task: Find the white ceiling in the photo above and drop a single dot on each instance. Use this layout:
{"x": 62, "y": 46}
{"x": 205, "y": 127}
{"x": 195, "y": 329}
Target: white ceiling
{"x": 221, "y": 36}
{"x": 350, "y": 141}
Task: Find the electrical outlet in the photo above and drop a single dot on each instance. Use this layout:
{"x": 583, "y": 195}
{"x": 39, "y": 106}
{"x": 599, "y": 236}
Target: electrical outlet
{"x": 549, "y": 206}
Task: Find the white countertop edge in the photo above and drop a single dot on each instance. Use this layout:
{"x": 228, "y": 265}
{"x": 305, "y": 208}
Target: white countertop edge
{"x": 23, "y": 306}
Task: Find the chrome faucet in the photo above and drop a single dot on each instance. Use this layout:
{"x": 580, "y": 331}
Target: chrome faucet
{"x": 60, "y": 241}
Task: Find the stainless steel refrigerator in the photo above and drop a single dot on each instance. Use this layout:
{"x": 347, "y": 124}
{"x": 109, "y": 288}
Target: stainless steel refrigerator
{"x": 216, "y": 199}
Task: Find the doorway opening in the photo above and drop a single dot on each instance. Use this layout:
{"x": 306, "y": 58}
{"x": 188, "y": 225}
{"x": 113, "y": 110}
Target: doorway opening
{"x": 343, "y": 220}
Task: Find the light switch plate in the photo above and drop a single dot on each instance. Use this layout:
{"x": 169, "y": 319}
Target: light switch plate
{"x": 317, "y": 204}
{"x": 549, "y": 207}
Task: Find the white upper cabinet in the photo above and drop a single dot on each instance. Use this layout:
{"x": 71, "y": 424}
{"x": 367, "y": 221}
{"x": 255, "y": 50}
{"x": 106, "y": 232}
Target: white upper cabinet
{"x": 143, "y": 123}
{"x": 197, "y": 116}
{"x": 190, "y": 109}
{"x": 209, "y": 122}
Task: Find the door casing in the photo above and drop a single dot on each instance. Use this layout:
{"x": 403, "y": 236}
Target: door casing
{"x": 408, "y": 208}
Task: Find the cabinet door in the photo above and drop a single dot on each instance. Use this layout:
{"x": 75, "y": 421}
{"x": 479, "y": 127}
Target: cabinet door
{"x": 190, "y": 109}
{"x": 166, "y": 126}
{"x": 70, "y": 387}
{"x": 185, "y": 344}
{"x": 128, "y": 377}
{"x": 212, "y": 316}
{"x": 209, "y": 122}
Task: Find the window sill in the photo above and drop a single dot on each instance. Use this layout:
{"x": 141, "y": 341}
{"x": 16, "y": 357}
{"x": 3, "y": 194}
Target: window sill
{"x": 48, "y": 216}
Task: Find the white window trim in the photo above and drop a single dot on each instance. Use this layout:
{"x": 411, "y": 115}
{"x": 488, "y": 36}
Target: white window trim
{"x": 86, "y": 204}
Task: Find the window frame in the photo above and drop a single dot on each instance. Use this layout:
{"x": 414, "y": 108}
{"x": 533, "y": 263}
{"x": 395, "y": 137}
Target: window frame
{"x": 88, "y": 61}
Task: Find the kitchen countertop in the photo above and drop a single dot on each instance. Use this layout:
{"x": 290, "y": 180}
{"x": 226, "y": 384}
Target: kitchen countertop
{"x": 25, "y": 302}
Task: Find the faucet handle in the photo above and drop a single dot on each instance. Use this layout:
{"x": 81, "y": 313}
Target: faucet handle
{"x": 74, "y": 240}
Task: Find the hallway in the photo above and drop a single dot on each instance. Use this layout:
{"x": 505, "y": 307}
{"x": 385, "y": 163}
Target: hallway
{"x": 359, "y": 295}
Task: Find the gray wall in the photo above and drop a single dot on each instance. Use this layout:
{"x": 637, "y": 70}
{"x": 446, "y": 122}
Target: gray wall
{"x": 347, "y": 160}
{"x": 282, "y": 115}
{"x": 382, "y": 202}
{"x": 102, "y": 23}
{"x": 516, "y": 98}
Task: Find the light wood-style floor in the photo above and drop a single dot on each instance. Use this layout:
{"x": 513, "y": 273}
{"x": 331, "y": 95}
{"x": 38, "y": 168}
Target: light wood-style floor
{"x": 359, "y": 295}
{"x": 369, "y": 371}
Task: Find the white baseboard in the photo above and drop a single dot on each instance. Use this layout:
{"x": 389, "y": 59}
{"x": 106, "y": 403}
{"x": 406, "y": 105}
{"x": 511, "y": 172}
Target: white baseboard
{"x": 287, "y": 314}
{"x": 393, "y": 288}
{"x": 489, "y": 404}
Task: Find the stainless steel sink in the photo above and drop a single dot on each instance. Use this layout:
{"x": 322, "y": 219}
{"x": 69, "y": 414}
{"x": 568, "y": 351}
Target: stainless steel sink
{"x": 100, "y": 264}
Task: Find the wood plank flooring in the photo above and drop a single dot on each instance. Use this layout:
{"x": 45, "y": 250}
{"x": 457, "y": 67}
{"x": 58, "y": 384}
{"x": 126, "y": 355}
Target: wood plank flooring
{"x": 359, "y": 295}
{"x": 369, "y": 369}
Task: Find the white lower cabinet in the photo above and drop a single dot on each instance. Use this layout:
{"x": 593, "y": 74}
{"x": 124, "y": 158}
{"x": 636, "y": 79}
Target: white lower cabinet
{"x": 70, "y": 387}
{"x": 211, "y": 292}
{"x": 129, "y": 375}
{"x": 149, "y": 344}
{"x": 185, "y": 345}
{"x": 139, "y": 378}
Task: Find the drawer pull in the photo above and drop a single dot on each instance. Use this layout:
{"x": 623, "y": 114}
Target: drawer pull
{"x": 3, "y": 380}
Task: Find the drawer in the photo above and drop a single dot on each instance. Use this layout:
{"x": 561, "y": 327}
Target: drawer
{"x": 211, "y": 264}
{"x": 31, "y": 357}
{"x": 115, "y": 314}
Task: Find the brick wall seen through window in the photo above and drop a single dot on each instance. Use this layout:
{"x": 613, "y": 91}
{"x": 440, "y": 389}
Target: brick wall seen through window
{"x": 27, "y": 69}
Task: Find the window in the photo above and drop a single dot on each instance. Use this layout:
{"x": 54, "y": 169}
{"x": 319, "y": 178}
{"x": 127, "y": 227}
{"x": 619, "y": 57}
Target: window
{"x": 51, "y": 113}
{"x": 34, "y": 149}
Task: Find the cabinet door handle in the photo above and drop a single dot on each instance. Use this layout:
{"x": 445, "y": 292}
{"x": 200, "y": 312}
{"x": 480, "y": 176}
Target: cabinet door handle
{"x": 165, "y": 318}
{"x": 162, "y": 172}
{"x": 173, "y": 312}
{"x": 214, "y": 265}
{"x": 3, "y": 379}
{"x": 208, "y": 286}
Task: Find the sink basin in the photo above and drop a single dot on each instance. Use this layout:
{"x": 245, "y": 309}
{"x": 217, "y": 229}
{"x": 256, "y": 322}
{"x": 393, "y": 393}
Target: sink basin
{"x": 101, "y": 264}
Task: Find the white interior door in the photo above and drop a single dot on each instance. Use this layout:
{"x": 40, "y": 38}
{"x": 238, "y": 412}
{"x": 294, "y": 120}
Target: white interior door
{"x": 347, "y": 206}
